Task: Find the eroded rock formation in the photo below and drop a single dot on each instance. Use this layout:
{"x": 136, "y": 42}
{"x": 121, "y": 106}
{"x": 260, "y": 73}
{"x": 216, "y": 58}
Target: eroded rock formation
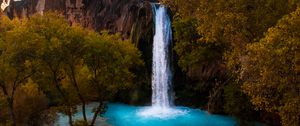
{"x": 123, "y": 16}
{"x": 131, "y": 18}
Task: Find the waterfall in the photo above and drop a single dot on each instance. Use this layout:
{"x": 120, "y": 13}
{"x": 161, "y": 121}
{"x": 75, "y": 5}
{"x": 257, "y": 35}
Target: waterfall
{"x": 161, "y": 72}
{"x": 161, "y": 68}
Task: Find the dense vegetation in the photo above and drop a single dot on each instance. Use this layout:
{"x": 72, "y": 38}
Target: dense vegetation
{"x": 48, "y": 66}
{"x": 242, "y": 55}
{"x": 238, "y": 57}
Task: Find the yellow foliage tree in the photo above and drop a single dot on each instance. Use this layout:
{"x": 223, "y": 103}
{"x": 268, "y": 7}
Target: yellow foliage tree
{"x": 271, "y": 70}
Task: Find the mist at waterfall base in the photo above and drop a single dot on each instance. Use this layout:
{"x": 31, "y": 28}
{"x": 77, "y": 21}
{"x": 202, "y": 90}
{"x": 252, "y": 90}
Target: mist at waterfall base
{"x": 127, "y": 115}
{"x": 162, "y": 112}
{"x": 161, "y": 69}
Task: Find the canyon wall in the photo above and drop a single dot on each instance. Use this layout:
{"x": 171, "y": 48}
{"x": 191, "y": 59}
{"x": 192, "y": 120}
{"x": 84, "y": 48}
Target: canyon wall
{"x": 131, "y": 18}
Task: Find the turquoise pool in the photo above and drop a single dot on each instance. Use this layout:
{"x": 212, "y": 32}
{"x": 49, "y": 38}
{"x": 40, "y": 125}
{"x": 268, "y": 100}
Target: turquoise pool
{"x": 127, "y": 115}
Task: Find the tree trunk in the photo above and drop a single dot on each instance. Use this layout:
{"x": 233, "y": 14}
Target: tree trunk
{"x": 11, "y": 113}
{"x": 63, "y": 96}
{"x": 96, "y": 113}
{"x": 70, "y": 116}
{"x": 10, "y": 102}
{"x": 215, "y": 95}
{"x": 78, "y": 92}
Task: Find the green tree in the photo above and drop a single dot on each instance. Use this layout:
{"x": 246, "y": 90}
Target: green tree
{"x": 237, "y": 103}
{"x": 271, "y": 70}
{"x": 15, "y": 61}
{"x": 73, "y": 50}
{"x": 109, "y": 61}
{"x": 30, "y": 104}
{"x": 228, "y": 25}
{"x": 50, "y": 33}
{"x": 44, "y": 56}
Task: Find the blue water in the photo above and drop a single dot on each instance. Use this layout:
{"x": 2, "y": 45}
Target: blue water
{"x": 126, "y": 115}
{"x": 63, "y": 120}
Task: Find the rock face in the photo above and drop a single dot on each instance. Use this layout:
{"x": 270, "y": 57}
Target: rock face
{"x": 122, "y": 16}
{"x": 131, "y": 18}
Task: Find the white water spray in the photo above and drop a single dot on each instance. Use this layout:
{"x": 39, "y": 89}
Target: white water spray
{"x": 161, "y": 69}
{"x": 161, "y": 72}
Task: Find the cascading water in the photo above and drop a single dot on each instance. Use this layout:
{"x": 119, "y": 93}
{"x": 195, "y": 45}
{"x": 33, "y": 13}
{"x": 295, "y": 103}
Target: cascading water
{"x": 161, "y": 73}
{"x": 161, "y": 113}
{"x": 161, "y": 70}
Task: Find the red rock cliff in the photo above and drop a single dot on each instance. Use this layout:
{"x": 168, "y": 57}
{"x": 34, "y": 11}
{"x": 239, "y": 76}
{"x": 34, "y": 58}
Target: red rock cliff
{"x": 131, "y": 18}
